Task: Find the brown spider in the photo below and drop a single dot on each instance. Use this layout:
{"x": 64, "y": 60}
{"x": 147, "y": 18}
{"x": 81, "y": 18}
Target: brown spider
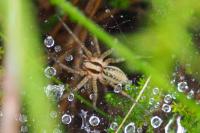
{"x": 96, "y": 67}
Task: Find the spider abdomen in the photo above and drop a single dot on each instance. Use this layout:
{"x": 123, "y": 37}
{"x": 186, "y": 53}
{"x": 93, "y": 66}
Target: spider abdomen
{"x": 114, "y": 75}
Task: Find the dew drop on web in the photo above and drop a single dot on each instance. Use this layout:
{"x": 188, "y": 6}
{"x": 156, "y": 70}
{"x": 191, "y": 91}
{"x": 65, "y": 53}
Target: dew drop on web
{"x": 114, "y": 125}
{"x": 118, "y": 88}
{"x": 130, "y": 128}
{"x": 155, "y": 91}
{"x": 50, "y": 72}
{"x": 57, "y": 48}
{"x": 166, "y": 108}
{"x": 49, "y": 41}
{"x": 156, "y": 121}
{"x": 66, "y": 119}
{"x": 94, "y": 120}
{"x": 182, "y": 86}
{"x": 168, "y": 98}
{"x": 190, "y": 95}
{"x": 70, "y": 97}
{"x": 69, "y": 58}
{"x": 54, "y": 92}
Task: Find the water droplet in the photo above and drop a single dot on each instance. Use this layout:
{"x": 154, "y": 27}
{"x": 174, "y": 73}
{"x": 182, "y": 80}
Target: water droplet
{"x": 143, "y": 97}
{"x": 130, "y": 128}
{"x": 193, "y": 79}
{"x": 72, "y": 78}
{"x": 46, "y": 21}
{"x": 145, "y": 124}
{"x": 50, "y": 72}
{"x": 166, "y": 108}
{"x": 118, "y": 88}
{"x": 66, "y": 119}
{"x": 155, "y": 91}
{"x": 83, "y": 90}
{"x": 139, "y": 130}
{"x": 92, "y": 96}
{"x": 94, "y": 120}
{"x": 70, "y": 97}
{"x": 151, "y": 101}
{"x": 173, "y": 81}
{"x": 92, "y": 43}
{"x": 107, "y": 10}
{"x": 85, "y": 124}
{"x": 157, "y": 105}
{"x": 24, "y": 129}
{"x": 69, "y": 58}
{"x": 23, "y": 118}
{"x": 57, "y": 48}
{"x": 49, "y": 41}
{"x": 113, "y": 126}
{"x": 128, "y": 86}
{"x": 190, "y": 95}
{"x": 53, "y": 114}
{"x": 182, "y": 86}
{"x": 168, "y": 98}
{"x": 151, "y": 109}
{"x": 54, "y": 91}
{"x": 174, "y": 95}
{"x": 156, "y": 121}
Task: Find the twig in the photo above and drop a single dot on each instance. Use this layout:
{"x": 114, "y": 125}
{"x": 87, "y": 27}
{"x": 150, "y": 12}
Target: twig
{"x": 132, "y": 107}
{"x": 59, "y": 25}
{"x": 76, "y": 39}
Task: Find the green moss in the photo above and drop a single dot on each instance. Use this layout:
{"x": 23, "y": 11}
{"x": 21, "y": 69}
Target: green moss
{"x": 189, "y": 119}
{"x": 138, "y": 116}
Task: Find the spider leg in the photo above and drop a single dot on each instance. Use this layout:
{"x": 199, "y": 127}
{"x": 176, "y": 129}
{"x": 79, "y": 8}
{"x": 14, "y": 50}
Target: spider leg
{"x": 95, "y": 89}
{"x": 87, "y": 52}
{"x": 112, "y": 60}
{"x": 83, "y": 81}
{"x": 96, "y": 44}
{"x": 123, "y": 93}
{"x": 82, "y": 73}
{"x": 106, "y": 53}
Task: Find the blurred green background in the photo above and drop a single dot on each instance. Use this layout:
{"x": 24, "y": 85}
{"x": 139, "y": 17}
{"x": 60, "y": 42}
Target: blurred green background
{"x": 167, "y": 39}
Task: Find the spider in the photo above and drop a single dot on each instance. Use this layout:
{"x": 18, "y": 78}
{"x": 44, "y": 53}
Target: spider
{"x": 96, "y": 67}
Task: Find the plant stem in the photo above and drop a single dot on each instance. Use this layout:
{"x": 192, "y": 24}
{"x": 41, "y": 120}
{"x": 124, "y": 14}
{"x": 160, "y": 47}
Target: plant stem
{"x": 134, "y": 103}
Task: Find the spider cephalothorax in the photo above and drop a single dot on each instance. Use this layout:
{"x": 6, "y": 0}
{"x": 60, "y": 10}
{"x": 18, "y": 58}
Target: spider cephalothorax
{"x": 100, "y": 69}
{"x": 96, "y": 67}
